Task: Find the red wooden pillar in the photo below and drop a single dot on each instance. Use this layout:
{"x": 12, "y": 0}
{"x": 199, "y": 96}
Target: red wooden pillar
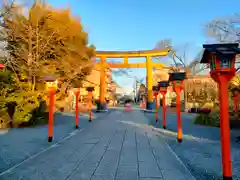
{"x": 225, "y": 126}
{"x": 164, "y": 109}
{"x": 156, "y": 106}
{"x": 51, "y": 112}
{"x": 90, "y": 105}
{"x": 163, "y": 90}
{"x": 77, "y": 93}
{"x": 178, "y": 86}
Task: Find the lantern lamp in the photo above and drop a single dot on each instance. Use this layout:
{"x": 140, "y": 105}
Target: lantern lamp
{"x": 155, "y": 88}
{"x": 51, "y": 82}
{"x": 90, "y": 89}
{"x": 163, "y": 83}
{"x": 221, "y": 58}
{"x": 177, "y": 76}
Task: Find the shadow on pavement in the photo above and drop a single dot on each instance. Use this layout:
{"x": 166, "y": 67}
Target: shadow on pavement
{"x": 22, "y": 143}
{"x": 191, "y": 129}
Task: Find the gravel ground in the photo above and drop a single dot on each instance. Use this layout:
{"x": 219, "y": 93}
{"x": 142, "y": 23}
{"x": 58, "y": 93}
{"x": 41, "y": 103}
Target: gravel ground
{"x": 200, "y": 150}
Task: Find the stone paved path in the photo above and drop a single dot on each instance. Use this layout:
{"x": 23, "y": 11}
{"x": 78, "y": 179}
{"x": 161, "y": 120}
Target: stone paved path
{"x": 119, "y": 147}
{"x": 17, "y": 145}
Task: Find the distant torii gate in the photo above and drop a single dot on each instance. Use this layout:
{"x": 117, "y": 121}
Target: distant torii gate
{"x": 148, "y": 54}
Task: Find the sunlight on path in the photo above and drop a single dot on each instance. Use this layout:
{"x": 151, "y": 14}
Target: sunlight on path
{"x": 167, "y": 132}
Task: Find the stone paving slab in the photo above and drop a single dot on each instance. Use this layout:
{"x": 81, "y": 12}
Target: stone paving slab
{"x": 108, "y": 149}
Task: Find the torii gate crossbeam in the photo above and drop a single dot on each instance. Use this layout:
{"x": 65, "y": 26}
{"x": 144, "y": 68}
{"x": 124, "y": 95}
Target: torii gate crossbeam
{"x": 148, "y": 54}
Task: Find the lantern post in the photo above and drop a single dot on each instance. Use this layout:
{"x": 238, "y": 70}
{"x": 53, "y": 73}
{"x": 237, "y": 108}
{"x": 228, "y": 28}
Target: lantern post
{"x": 52, "y": 88}
{"x": 77, "y": 93}
{"x": 90, "y": 90}
{"x": 163, "y": 86}
{"x": 155, "y": 93}
{"x": 221, "y": 58}
{"x": 177, "y": 79}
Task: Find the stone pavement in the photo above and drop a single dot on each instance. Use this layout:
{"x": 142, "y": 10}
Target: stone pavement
{"x": 200, "y": 150}
{"x": 19, "y": 144}
{"x": 119, "y": 146}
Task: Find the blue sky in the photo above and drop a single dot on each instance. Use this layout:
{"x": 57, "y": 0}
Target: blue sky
{"x": 139, "y": 24}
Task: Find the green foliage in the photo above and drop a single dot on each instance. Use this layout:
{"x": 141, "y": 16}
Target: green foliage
{"x": 234, "y": 84}
{"x": 207, "y": 119}
{"x": 7, "y": 86}
{"x": 26, "y": 103}
{"x": 7, "y": 83}
{"x": 39, "y": 116}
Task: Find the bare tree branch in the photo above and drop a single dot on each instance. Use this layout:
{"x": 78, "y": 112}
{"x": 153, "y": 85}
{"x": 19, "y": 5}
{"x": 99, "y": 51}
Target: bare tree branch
{"x": 224, "y": 29}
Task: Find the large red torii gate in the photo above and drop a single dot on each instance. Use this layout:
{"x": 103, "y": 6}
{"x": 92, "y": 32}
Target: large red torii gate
{"x": 148, "y": 54}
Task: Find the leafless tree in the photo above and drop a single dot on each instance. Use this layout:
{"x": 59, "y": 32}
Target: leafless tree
{"x": 177, "y": 55}
{"x": 224, "y": 29}
{"x": 7, "y": 8}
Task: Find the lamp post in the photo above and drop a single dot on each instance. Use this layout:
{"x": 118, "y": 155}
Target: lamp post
{"x": 177, "y": 79}
{"x": 77, "y": 93}
{"x": 221, "y": 58}
{"x": 155, "y": 93}
{"x": 163, "y": 86}
{"x": 90, "y": 90}
{"x": 51, "y": 87}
